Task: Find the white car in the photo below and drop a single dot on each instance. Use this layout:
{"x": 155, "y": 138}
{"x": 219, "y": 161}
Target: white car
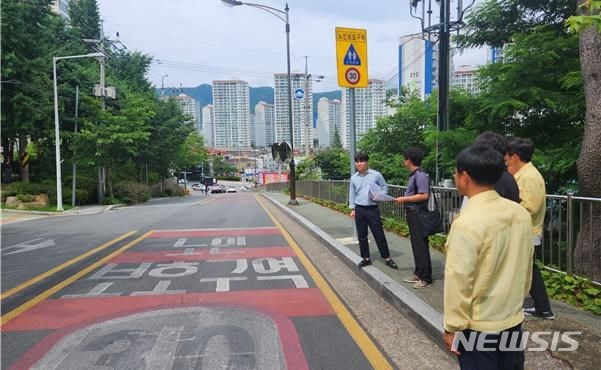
{"x": 231, "y": 189}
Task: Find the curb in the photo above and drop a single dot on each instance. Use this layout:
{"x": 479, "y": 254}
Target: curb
{"x": 422, "y": 315}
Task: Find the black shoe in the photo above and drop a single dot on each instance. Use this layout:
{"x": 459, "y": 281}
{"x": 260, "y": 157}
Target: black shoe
{"x": 390, "y": 263}
{"x": 365, "y": 262}
{"x": 531, "y": 311}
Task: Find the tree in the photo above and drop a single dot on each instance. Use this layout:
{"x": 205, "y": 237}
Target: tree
{"x": 334, "y": 164}
{"x": 495, "y": 22}
{"x": 192, "y": 152}
{"x": 28, "y": 31}
{"x": 337, "y": 144}
{"x": 85, "y": 18}
{"x": 588, "y": 246}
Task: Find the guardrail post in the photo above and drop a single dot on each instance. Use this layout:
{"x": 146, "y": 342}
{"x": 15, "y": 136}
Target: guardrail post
{"x": 570, "y": 231}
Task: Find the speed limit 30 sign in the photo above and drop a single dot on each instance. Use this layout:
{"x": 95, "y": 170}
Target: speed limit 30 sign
{"x": 351, "y": 57}
{"x": 352, "y": 76}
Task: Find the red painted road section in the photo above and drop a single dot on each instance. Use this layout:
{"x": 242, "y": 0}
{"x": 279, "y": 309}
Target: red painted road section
{"x": 291, "y": 346}
{"x": 62, "y": 313}
{"x": 68, "y": 315}
{"x": 204, "y": 255}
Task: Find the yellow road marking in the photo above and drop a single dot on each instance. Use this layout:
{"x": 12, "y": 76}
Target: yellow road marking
{"x": 204, "y": 201}
{"x": 34, "y": 280}
{"x": 32, "y": 302}
{"x": 367, "y": 346}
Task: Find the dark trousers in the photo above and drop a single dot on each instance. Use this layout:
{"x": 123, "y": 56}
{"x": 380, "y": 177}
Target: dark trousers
{"x": 494, "y": 358}
{"x": 420, "y": 247}
{"x": 538, "y": 292}
{"x": 370, "y": 216}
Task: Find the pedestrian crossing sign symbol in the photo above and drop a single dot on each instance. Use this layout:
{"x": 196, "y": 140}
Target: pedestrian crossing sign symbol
{"x": 351, "y": 58}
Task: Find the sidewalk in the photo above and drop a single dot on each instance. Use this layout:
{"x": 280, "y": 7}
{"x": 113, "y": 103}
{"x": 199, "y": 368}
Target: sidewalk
{"x": 8, "y": 216}
{"x": 424, "y": 306}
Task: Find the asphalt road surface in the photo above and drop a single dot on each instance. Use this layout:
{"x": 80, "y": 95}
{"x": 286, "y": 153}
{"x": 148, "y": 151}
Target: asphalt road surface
{"x": 189, "y": 283}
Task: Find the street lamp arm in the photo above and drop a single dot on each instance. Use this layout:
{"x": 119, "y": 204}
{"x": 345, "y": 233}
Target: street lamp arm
{"x": 276, "y": 12}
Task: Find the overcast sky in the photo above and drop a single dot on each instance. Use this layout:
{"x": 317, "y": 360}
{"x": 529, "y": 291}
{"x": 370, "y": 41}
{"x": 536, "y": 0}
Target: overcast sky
{"x": 198, "y": 41}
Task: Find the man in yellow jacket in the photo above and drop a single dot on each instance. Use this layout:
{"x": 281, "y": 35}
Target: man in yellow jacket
{"x": 488, "y": 266}
{"x": 532, "y": 194}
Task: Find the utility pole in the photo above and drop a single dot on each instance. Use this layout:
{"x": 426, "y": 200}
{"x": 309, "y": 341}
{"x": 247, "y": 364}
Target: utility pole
{"x": 307, "y": 106}
{"x": 443, "y": 29}
{"x": 74, "y": 186}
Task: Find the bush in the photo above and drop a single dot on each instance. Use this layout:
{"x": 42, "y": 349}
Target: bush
{"x": 21, "y": 187}
{"x": 108, "y": 201}
{"x": 229, "y": 178}
{"x": 81, "y": 196}
{"x": 174, "y": 190}
{"x": 131, "y": 192}
{"x": 25, "y": 198}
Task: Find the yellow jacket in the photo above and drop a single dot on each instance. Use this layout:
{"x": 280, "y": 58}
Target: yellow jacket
{"x": 532, "y": 194}
{"x": 488, "y": 269}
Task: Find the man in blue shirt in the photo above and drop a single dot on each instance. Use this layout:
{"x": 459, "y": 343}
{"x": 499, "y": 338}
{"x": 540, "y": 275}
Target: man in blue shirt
{"x": 415, "y": 200}
{"x": 366, "y": 212}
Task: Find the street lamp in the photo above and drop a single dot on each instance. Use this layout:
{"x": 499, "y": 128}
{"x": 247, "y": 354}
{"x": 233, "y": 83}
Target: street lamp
{"x": 59, "y": 188}
{"x": 283, "y": 16}
{"x": 163, "y": 83}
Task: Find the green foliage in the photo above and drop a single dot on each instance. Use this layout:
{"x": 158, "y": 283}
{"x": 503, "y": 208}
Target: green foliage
{"x": 337, "y": 144}
{"x": 191, "y": 152}
{"x": 494, "y": 22}
{"x": 334, "y": 164}
{"x": 131, "y": 192}
{"x": 229, "y": 178}
{"x": 307, "y": 170}
{"x": 25, "y": 198}
{"x": 572, "y": 289}
{"x": 221, "y": 167}
{"x": 450, "y": 143}
{"x": 592, "y": 17}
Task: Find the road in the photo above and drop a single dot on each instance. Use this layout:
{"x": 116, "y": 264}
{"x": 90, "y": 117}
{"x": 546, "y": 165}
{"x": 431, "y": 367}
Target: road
{"x": 192, "y": 282}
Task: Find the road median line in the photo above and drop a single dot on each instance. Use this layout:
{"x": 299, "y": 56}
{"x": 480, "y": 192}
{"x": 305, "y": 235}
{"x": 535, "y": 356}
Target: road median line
{"x": 39, "y": 298}
{"x": 60, "y": 267}
{"x": 364, "y": 342}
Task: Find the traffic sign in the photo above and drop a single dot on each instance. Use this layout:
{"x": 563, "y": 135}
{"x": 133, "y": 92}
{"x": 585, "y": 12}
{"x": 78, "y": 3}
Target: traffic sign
{"x": 299, "y": 93}
{"x": 352, "y": 76}
{"x": 351, "y": 57}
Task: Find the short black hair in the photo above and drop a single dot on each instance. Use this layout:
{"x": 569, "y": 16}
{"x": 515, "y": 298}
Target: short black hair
{"x": 494, "y": 140}
{"x": 415, "y": 155}
{"x": 484, "y": 164}
{"x": 524, "y": 148}
{"x": 361, "y": 157}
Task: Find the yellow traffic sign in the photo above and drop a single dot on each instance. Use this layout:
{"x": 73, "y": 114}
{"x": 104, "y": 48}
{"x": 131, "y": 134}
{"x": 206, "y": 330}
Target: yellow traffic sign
{"x": 351, "y": 57}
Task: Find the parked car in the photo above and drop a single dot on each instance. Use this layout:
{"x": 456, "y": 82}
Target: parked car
{"x": 216, "y": 189}
{"x": 199, "y": 187}
{"x": 231, "y": 189}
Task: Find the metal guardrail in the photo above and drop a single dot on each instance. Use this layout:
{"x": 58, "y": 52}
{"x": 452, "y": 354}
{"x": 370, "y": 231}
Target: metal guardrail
{"x": 566, "y": 216}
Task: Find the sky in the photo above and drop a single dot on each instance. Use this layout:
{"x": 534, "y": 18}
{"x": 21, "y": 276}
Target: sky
{"x": 198, "y": 41}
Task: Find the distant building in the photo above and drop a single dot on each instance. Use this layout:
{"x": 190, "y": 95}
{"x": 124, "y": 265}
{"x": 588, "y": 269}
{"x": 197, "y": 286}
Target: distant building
{"x": 207, "y": 124}
{"x": 61, "y": 7}
{"x": 189, "y": 106}
{"x": 329, "y": 119}
{"x": 494, "y": 54}
{"x": 302, "y": 118}
{"x": 264, "y": 124}
{"x": 466, "y": 78}
{"x": 231, "y": 125}
{"x": 418, "y": 63}
{"x": 370, "y": 103}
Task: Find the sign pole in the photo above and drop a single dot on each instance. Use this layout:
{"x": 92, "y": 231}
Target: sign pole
{"x": 351, "y": 96}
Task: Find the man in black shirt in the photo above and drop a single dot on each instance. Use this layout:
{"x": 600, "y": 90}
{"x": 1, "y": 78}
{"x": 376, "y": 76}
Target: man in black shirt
{"x": 506, "y": 186}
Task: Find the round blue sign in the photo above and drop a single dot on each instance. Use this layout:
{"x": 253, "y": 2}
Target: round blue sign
{"x": 299, "y": 93}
